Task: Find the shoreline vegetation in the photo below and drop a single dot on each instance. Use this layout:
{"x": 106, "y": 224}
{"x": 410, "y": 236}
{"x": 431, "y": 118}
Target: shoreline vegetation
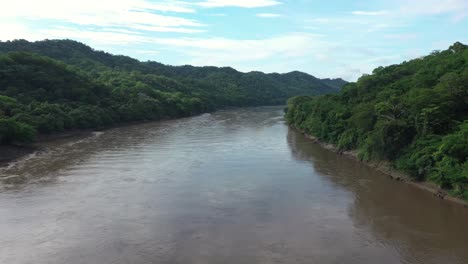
{"x": 54, "y": 86}
{"x": 386, "y": 168}
{"x": 412, "y": 116}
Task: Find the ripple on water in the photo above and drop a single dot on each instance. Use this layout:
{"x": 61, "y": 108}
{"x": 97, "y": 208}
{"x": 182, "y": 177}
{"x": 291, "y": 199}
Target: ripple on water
{"x": 235, "y": 186}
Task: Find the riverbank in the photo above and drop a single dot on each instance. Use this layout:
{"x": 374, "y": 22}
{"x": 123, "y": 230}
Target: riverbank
{"x": 11, "y": 153}
{"x": 386, "y": 168}
{"x": 15, "y": 152}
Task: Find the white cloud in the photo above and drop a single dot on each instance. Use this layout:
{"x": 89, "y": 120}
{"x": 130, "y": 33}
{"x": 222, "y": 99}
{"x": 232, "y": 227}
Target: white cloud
{"x": 402, "y": 36}
{"x": 458, "y": 8}
{"x": 168, "y": 29}
{"x": 13, "y": 30}
{"x": 288, "y": 43}
{"x": 294, "y": 49}
{"x": 99, "y": 38}
{"x": 353, "y": 25}
{"x": 379, "y": 27}
{"x": 199, "y": 51}
{"x": 247, "y": 54}
{"x": 128, "y": 14}
{"x": 370, "y": 13}
{"x": 149, "y": 52}
{"x": 238, "y": 3}
{"x": 408, "y": 8}
{"x": 268, "y": 15}
{"x": 218, "y": 15}
{"x": 342, "y": 21}
{"x": 129, "y": 26}
{"x": 174, "y": 6}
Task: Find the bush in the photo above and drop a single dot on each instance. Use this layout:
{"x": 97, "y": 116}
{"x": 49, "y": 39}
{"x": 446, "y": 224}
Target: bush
{"x": 12, "y": 131}
{"x": 418, "y": 160}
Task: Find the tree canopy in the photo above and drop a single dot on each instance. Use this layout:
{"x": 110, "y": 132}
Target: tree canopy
{"x": 55, "y": 85}
{"x": 413, "y": 114}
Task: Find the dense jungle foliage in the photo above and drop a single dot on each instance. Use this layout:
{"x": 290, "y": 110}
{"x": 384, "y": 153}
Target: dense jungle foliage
{"x": 413, "y": 114}
{"x": 55, "y": 85}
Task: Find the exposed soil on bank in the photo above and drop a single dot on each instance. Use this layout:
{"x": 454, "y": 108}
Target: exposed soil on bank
{"x": 386, "y": 168}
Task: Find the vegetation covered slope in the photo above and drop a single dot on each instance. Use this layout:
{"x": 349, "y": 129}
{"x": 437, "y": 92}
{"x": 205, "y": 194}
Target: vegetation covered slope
{"x": 224, "y": 86}
{"x": 55, "y": 85}
{"x": 413, "y": 114}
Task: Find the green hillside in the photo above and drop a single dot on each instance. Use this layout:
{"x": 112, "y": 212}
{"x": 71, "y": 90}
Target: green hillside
{"x": 55, "y": 85}
{"x": 413, "y": 114}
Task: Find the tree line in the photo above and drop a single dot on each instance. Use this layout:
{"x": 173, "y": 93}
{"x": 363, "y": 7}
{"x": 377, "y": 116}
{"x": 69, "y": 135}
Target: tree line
{"x": 56, "y": 85}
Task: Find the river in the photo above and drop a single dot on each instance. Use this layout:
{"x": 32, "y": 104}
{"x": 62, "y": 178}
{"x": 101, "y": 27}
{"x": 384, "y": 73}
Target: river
{"x": 235, "y": 186}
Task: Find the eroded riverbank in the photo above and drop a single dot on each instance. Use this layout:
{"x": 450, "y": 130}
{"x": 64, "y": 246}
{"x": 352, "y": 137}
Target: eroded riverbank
{"x": 16, "y": 153}
{"x": 393, "y": 173}
{"x": 11, "y": 153}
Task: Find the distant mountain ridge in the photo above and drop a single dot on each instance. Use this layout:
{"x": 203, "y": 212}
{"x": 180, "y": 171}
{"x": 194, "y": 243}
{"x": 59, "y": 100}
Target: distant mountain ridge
{"x": 78, "y": 54}
{"x": 337, "y": 83}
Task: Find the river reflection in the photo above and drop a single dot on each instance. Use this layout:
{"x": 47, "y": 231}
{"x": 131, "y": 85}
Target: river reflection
{"x": 419, "y": 227}
{"x": 234, "y": 186}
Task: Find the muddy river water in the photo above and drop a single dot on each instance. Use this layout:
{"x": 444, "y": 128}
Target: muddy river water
{"x": 235, "y": 186}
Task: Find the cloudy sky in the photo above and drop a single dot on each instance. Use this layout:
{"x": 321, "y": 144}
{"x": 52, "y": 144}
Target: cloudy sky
{"x": 334, "y": 38}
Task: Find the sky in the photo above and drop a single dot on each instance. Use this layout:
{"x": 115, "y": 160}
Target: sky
{"x": 328, "y": 39}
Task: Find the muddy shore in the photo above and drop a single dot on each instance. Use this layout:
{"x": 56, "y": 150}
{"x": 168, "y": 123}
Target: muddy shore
{"x": 11, "y": 153}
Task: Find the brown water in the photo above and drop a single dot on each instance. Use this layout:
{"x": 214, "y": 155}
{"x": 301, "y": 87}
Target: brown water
{"x": 235, "y": 186}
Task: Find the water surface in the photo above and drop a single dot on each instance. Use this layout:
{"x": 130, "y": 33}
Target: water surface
{"x": 235, "y": 186}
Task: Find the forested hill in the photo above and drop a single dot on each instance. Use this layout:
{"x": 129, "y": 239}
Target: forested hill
{"x": 89, "y": 60}
{"x": 54, "y": 85}
{"x": 413, "y": 114}
{"x": 253, "y": 88}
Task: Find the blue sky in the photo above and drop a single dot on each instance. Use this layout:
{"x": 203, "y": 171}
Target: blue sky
{"x": 334, "y": 38}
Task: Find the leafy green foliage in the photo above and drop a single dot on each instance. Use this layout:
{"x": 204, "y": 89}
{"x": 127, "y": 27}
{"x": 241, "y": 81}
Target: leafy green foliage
{"x": 55, "y": 85}
{"x": 413, "y": 114}
{"x": 11, "y": 130}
